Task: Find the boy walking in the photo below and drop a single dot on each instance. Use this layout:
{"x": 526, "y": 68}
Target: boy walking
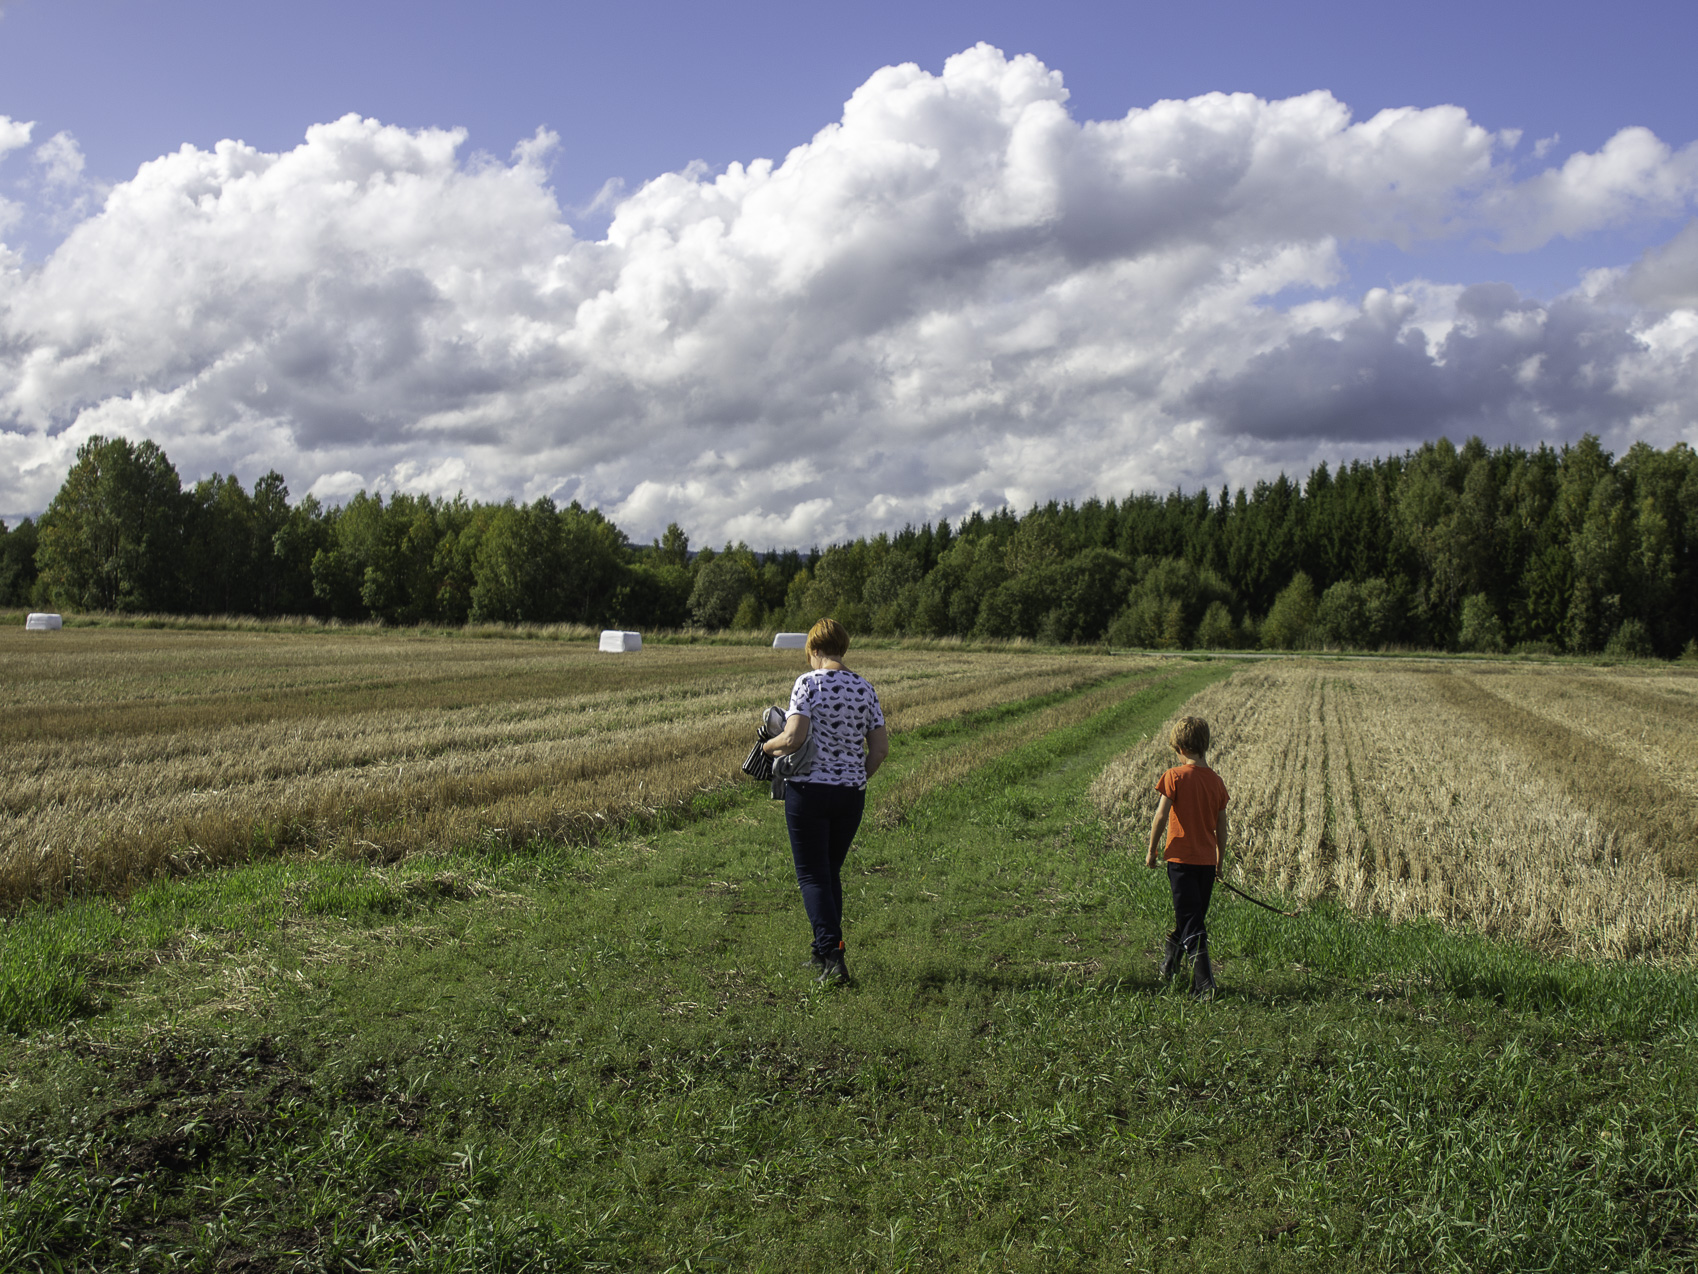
{"x": 1193, "y": 809}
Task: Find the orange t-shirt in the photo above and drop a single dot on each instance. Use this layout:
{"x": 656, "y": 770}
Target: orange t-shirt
{"x": 1198, "y": 797}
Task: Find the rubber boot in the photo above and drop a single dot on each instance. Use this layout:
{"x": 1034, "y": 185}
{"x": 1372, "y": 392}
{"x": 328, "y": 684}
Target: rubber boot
{"x": 1202, "y": 973}
{"x": 835, "y": 969}
{"x": 1172, "y": 954}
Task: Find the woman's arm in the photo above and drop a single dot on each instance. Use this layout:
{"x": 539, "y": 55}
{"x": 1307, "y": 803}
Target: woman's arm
{"x": 1156, "y": 827}
{"x": 790, "y": 738}
{"x": 878, "y": 747}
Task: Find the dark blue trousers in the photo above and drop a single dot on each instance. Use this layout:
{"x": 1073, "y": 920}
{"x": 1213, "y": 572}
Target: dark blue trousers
{"x": 1192, "y": 887}
{"x": 822, "y": 819}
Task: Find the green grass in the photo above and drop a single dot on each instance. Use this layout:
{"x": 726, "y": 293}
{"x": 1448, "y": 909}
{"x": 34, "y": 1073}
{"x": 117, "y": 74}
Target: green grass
{"x": 611, "y": 1058}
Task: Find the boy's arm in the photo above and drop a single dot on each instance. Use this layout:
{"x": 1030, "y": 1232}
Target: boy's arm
{"x": 1156, "y": 827}
{"x": 1220, "y": 843}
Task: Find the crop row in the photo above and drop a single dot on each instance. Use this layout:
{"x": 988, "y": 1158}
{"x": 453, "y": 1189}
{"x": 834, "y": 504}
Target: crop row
{"x": 1556, "y": 807}
{"x": 129, "y": 754}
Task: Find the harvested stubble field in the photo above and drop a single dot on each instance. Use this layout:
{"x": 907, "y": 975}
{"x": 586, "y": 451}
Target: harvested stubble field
{"x": 1553, "y": 805}
{"x": 574, "y": 1055}
{"x": 124, "y": 753}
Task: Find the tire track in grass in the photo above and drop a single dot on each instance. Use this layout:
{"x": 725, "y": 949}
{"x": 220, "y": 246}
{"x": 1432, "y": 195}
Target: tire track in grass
{"x": 1067, "y": 735}
{"x": 942, "y": 769}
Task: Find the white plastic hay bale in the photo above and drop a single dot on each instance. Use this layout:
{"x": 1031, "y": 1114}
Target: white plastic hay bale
{"x": 790, "y": 641}
{"x": 40, "y": 622}
{"x": 616, "y": 642}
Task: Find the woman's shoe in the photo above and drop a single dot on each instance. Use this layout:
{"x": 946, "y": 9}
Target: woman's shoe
{"x": 833, "y": 967}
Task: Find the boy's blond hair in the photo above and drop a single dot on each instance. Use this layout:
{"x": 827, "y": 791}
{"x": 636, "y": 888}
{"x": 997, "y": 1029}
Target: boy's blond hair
{"x": 1190, "y": 734}
{"x": 828, "y": 638}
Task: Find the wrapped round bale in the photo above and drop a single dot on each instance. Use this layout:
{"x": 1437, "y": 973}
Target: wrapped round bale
{"x": 41, "y": 622}
{"x": 617, "y": 642}
{"x": 790, "y": 641}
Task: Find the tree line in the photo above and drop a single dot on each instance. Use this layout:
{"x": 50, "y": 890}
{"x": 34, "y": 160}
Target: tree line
{"x": 1550, "y": 549}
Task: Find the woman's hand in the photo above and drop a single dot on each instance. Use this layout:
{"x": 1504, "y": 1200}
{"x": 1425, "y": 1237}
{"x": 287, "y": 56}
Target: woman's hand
{"x": 789, "y": 739}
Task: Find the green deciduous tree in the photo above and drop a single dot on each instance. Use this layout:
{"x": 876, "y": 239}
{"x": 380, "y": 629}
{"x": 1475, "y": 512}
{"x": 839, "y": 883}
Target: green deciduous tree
{"x": 1016, "y": 607}
{"x": 1089, "y": 590}
{"x": 1600, "y": 549}
{"x": 113, "y": 537}
{"x": 1361, "y": 616}
{"x": 1341, "y": 618}
{"x": 1291, "y": 620}
{"x": 1632, "y": 640}
{"x": 1482, "y": 630}
{"x": 1167, "y": 600}
{"x": 673, "y": 548}
{"x": 889, "y": 591}
{"x": 518, "y": 568}
{"x": 750, "y": 614}
{"x": 303, "y": 535}
{"x": 592, "y": 563}
{"x": 1216, "y": 630}
{"x": 352, "y": 541}
{"x": 17, "y": 562}
{"x": 720, "y": 588}
{"x": 652, "y": 597}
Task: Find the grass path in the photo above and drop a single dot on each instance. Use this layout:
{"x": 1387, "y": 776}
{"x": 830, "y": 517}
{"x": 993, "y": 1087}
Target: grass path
{"x": 613, "y": 1059}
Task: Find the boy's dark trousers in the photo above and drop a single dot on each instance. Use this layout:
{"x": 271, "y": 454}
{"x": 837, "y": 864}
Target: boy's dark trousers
{"x": 1192, "y": 884}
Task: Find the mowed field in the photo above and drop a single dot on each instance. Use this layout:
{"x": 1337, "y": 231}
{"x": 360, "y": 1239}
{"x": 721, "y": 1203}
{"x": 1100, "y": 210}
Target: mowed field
{"x": 125, "y": 754}
{"x": 408, "y": 952}
{"x": 1552, "y": 805}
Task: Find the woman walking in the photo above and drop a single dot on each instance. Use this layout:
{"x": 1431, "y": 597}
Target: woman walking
{"x": 822, "y": 807}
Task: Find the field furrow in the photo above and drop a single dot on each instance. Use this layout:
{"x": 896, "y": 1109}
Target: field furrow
{"x": 217, "y": 747}
{"x": 1415, "y": 793}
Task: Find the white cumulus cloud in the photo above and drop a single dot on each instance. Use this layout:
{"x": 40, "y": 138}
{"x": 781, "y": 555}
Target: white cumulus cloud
{"x": 956, "y": 295}
{"x": 1634, "y": 176}
{"x": 14, "y": 135}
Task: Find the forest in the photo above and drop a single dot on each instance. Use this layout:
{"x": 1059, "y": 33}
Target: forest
{"x": 1459, "y": 548}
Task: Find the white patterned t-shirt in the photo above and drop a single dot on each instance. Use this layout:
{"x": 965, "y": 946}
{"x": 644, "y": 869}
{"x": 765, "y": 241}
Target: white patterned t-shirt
{"x": 842, "y": 710}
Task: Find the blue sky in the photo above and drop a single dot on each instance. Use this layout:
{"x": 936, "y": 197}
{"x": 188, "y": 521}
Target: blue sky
{"x": 632, "y": 92}
{"x": 638, "y": 89}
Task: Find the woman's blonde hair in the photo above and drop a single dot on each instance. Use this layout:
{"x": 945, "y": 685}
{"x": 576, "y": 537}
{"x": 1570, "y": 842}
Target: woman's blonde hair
{"x": 1190, "y": 734}
{"x": 828, "y": 638}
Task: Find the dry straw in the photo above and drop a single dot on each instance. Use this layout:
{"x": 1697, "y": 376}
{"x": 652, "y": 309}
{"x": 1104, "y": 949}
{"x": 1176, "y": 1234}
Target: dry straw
{"x": 126, "y": 753}
{"x": 1556, "y": 806}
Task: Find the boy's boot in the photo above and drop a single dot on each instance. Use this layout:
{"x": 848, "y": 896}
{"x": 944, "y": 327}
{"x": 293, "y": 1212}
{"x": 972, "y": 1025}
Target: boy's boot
{"x": 1202, "y": 973}
{"x": 1172, "y": 954}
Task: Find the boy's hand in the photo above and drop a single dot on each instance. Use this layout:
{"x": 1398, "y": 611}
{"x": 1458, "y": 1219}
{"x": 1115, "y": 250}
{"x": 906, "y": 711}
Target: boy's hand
{"x": 1150, "y": 859}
